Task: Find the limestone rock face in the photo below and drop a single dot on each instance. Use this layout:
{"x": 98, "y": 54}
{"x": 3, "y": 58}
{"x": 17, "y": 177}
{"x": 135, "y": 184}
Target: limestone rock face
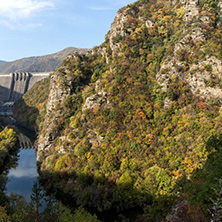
{"x": 118, "y": 30}
{"x": 191, "y": 9}
{"x": 199, "y": 75}
{"x": 57, "y": 94}
{"x": 95, "y": 100}
{"x": 182, "y": 211}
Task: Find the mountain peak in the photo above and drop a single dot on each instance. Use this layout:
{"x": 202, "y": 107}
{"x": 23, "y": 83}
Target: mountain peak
{"x": 46, "y": 63}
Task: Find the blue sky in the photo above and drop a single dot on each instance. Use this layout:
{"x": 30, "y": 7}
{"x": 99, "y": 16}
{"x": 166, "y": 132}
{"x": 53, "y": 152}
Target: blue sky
{"x": 40, "y": 27}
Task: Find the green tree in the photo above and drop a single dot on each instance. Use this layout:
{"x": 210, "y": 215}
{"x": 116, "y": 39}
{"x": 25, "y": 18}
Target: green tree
{"x": 36, "y": 200}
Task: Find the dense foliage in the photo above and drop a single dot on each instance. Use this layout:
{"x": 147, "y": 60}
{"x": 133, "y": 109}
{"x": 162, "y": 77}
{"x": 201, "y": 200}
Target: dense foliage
{"x": 41, "y": 208}
{"x": 8, "y": 139}
{"x": 8, "y": 157}
{"x": 30, "y": 110}
{"x": 116, "y": 142}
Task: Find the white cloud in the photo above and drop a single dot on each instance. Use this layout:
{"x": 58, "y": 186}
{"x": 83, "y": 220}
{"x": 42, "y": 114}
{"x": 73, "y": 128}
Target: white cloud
{"x": 31, "y": 173}
{"x": 20, "y": 25}
{"x": 13, "y": 12}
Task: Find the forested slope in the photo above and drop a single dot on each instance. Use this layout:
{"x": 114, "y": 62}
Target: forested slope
{"x": 137, "y": 121}
{"x": 30, "y": 110}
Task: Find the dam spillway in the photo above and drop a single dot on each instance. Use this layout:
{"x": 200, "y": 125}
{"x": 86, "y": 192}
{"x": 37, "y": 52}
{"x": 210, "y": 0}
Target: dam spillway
{"x": 14, "y": 85}
{"x": 19, "y": 86}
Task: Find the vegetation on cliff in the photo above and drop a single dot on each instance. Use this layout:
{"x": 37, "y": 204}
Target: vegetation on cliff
{"x": 138, "y": 120}
{"x": 8, "y": 139}
{"x": 30, "y": 110}
{"x": 8, "y": 156}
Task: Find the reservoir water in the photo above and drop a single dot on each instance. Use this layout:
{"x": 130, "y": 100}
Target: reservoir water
{"x": 21, "y": 178}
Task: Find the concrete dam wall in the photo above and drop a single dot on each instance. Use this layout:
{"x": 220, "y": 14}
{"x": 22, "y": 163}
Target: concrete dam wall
{"x": 14, "y": 85}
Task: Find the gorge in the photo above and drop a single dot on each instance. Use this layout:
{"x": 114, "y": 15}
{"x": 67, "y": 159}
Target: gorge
{"x": 137, "y": 121}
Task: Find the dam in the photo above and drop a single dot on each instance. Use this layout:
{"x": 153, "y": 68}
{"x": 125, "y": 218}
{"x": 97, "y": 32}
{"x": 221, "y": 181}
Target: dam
{"x": 14, "y": 85}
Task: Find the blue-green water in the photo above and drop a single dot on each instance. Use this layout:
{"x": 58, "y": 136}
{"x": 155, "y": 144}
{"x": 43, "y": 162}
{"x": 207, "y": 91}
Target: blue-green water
{"x": 21, "y": 179}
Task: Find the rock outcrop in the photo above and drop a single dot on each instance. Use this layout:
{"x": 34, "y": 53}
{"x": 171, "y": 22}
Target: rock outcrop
{"x": 136, "y": 117}
{"x": 201, "y": 74}
{"x": 57, "y": 95}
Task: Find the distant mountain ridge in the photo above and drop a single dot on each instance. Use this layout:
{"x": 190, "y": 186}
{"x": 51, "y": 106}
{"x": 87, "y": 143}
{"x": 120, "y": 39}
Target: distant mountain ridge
{"x": 45, "y": 63}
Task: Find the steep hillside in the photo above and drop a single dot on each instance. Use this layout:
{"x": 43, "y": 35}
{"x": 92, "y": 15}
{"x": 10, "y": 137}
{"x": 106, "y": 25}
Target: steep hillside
{"x": 45, "y": 63}
{"x": 30, "y": 110}
{"x": 138, "y": 120}
{"x": 2, "y": 61}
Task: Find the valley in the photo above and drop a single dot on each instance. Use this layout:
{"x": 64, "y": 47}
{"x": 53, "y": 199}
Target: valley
{"x": 132, "y": 128}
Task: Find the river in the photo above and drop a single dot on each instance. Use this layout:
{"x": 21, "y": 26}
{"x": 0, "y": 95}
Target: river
{"x": 21, "y": 178}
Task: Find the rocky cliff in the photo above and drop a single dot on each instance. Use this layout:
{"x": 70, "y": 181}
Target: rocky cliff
{"x": 137, "y": 121}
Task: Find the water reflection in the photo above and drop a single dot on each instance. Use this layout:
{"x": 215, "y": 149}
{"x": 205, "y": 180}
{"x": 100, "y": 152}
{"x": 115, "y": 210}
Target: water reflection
{"x": 22, "y": 177}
